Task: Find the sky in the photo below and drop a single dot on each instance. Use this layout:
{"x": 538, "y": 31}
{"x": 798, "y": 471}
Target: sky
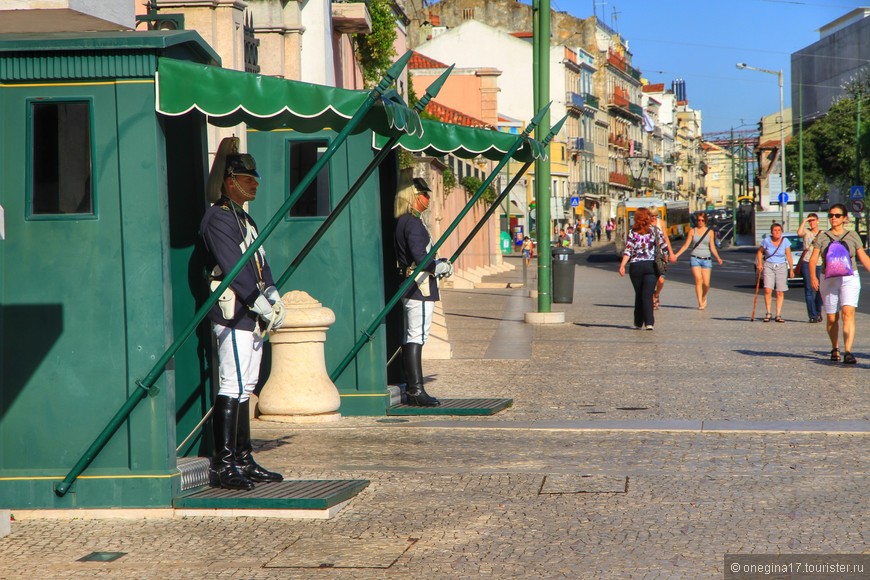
{"x": 700, "y": 41}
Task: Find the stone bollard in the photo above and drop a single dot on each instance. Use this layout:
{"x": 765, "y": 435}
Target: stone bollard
{"x": 299, "y": 389}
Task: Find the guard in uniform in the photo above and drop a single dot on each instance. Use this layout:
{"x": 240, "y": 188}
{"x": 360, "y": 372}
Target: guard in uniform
{"x": 413, "y": 241}
{"x": 245, "y": 312}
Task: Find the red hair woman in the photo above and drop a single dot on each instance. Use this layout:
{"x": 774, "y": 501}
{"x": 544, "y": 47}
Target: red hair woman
{"x": 640, "y": 253}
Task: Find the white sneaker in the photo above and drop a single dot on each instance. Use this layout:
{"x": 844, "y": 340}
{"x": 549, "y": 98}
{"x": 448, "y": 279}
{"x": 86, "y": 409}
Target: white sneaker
{"x": 649, "y": 326}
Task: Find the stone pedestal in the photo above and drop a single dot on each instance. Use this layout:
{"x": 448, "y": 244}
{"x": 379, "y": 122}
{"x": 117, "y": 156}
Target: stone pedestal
{"x": 299, "y": 389}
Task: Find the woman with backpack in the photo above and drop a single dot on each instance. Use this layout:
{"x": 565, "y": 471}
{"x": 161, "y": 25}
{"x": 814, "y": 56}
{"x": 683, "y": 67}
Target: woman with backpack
{"x": 840, "y": 284}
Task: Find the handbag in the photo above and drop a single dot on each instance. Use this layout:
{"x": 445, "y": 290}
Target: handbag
{"x": 661, "y": 261}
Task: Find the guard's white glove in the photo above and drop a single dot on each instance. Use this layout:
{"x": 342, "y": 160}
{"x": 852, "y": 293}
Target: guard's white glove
{"x": 443, "y": 269}
{"x": 274, "y": 297}
{"x": 280, "y": 312}
{"x": 272, "y": 294}
{"x": 264, "y": 310}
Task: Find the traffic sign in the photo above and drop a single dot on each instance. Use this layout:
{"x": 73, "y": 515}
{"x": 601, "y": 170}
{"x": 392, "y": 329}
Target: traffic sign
{"x": 575, "y": 201}
{"x": 858, "y": 205}
{"x": 856, "y": 192}
{"x": 783, "y": 198}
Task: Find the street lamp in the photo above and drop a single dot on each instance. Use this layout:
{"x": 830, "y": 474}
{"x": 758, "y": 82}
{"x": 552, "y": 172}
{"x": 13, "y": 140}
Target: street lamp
{"x": 637, "y": 164}
{"x": 743, "y": 65}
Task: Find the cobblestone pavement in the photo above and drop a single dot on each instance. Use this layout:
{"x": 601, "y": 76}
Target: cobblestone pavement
{"x": 626, "y": 454}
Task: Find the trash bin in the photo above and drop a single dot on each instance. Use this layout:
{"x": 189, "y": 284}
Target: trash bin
{"x": 563, "y": 275}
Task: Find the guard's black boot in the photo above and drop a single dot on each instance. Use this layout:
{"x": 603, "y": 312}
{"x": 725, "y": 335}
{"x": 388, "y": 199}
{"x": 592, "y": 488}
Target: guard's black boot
{"x": 244, "y": 457}
{"x": 224, "y": 471}
{"x": 413, "y": 362}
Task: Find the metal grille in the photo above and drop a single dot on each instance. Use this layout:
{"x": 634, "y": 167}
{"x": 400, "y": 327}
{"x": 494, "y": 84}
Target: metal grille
{"x": 301, "y": 494}
{"x": 455, "y": 407}
{"x": 194, "y": 472}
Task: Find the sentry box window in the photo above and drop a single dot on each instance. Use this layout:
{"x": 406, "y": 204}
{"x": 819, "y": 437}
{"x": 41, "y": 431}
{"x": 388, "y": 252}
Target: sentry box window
{"x": 61, "y": 159}
{"x": 315, "y": 201}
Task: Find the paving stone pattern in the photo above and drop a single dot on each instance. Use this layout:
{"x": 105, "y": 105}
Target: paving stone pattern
{"x": 462, "y": 497}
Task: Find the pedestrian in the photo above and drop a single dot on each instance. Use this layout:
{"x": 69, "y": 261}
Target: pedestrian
{"x": 564, "y": 240}
{"x": 839, "y": 292}
{"x": 590, "y": 232}
{"x": 608, "y": 228}
{"x": 240, "y": 320}
{"x": 598, "y": 230}
{"x": 809, "y": 229}
{"x": 660, "y": 283}
{"x": 640, "y": 246}
{"x": 702, "y": 240}
{"x": 774, "y": 261}
{"x": 413, "y": 242}
{"x": 527, "y": 250}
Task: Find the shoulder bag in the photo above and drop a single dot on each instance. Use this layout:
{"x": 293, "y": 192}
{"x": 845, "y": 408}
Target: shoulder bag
{"x": 661, "y": 261}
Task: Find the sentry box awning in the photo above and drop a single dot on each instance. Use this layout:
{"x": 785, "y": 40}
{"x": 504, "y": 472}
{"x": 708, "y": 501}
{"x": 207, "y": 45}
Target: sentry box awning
{"x": 439, "y": 139}
{"x": 229, "y": 97}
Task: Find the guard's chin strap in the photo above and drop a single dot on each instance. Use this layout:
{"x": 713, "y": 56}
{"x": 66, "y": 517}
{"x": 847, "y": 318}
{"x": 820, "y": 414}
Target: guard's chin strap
{"x": 242, "y": 191}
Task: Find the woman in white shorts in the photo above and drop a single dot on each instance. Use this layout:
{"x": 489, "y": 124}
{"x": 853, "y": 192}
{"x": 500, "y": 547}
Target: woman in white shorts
{"x": 839, "y": 294}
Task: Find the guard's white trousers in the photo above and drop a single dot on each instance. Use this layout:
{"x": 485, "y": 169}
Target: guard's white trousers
{"x": 239, "y": 353}
{"x": 418, "y": 319}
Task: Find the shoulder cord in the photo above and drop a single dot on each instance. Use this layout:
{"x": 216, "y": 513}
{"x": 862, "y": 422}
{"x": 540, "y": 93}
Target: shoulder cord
{"x": 244, "y": 235}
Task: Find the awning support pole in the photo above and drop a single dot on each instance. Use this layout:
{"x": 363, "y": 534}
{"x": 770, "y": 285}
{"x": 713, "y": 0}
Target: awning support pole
{"x": 431, "y": 93}
{"x": 501, "y": 197}
{"x": 368, "y": 333}
{"x": 146, "y": 385}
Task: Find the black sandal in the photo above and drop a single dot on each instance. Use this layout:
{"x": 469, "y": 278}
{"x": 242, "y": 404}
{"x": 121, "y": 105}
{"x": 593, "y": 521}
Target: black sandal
{"x": 766, "y": 317}
{"x": 779, "y": 319}
{"x": 849, "y": 359}
{"x": 835, "y": 355}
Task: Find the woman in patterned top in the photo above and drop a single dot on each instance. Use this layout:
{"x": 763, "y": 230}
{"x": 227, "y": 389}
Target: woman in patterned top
{"x": 640, "y": 253}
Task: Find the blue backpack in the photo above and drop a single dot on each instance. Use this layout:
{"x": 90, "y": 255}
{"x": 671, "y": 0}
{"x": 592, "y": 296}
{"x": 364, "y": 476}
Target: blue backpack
{"x": 838, "y": 260}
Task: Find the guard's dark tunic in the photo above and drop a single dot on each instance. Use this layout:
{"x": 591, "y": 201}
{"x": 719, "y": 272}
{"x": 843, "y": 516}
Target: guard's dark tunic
{"x": 223, "y": 231}
{"x": 412, "y": 243}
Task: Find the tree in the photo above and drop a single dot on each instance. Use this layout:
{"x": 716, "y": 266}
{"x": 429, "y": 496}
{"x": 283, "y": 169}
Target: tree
{"x": 830, "y": 145}
{"x": 375, "y": 49}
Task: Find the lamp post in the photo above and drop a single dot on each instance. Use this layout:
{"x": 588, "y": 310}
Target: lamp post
{"x": 743, "y": 65}
{"x": 637, "y": 164}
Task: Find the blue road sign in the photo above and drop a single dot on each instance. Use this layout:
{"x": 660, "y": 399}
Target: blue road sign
{"x": 783, "y": 198}
{"x": 575, "y": 201}
{"x": 856, "y": 192}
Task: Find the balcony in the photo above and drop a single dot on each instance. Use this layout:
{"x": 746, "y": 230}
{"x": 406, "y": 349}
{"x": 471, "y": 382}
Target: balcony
{"x": 591, "y": 100}
{"x": 619, "y": 101}
{"x": 618, "y": 141}
{"x": 620, "y": 179}
{"x": 636, "y": 109}
{"x": 574, "y": 102}
{"x": 351, "y": 17}
{"x": 580, "y": 144}
{"x": 587, "y": 187}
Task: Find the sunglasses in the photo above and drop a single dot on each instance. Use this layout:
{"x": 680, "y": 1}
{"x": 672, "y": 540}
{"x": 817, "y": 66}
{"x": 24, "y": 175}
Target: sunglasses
{"x": 836, "y": 215}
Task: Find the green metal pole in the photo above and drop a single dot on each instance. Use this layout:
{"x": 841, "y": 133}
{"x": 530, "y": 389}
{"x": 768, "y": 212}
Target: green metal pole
{"x": 146, "y": 385}
{"x": 503, "y": 195}
{"x": 536, "y": 105}
{"x": 368, "y": 333}
{"x": 733, "y": 192}
{"x": 431, "y": 93}
{"x": 800, "y": 150}
{"x": 542, "y": 166}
